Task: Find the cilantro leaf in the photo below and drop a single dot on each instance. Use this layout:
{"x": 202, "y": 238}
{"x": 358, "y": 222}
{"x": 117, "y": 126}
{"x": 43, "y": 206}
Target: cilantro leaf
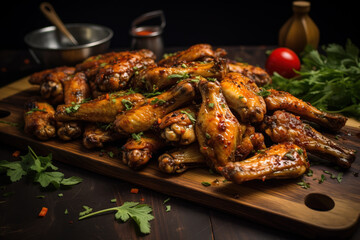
{"x": 71, "y": 181}
{"x": 47, "y": 178}
{"x": 14, "y": 170}
{"x": 140, "y": 213}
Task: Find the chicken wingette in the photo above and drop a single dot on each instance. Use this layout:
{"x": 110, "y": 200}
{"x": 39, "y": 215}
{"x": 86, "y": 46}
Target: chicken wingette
{"x": 143, "y": 117}
{"x": 242, "y": 96}
{"x": 178, "y": 127}
{"x": 197, "y": 52}
{"x": 179, "y": 160}
{"x": 102, "y": 109}
{"x": 115, "y": 75}
{"x": 39, "y": 120}
{"x": 140, "y": 148}
{"x": 163, "y": 77}
{"x": 256, "y": 74}
{"x": 76, "y": 90}
{"x": 217, "y": 129}
{"x": 280, "y": 100}
{"x": 281, "y": 161}
{"x": 96, "y": 135}
{"x": 39, "y": 77}
{"x": 286, "y": 127}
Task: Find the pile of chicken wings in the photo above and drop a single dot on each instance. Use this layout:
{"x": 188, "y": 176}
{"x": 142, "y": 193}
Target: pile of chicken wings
{"x": 193, "y": 108}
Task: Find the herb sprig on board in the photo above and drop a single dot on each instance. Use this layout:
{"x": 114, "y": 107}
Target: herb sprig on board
{"x": 329, "y": 81}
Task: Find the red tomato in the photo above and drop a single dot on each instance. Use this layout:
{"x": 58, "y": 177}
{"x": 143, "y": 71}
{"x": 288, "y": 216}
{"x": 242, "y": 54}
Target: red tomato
{"x": 283, "y": 61}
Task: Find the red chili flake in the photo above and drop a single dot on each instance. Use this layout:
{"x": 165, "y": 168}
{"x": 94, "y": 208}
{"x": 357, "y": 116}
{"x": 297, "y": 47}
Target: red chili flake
{"x": 134, "y": 190}
{"x": 142, "y": 199}
{"x": 16, "y": 154}
{"x": 263, "y": 178}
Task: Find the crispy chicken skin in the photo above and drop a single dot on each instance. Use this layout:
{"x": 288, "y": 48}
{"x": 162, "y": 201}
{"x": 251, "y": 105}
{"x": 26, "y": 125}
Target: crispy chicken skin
{"x": 164, "y": 77}
{"x": 217, "y": 129}
{"x": 177, "y": 127}
{"x": 39, "y": 77}
{"x": 76, "y": 90}
{"x": 281, "y": 161}
{"x": 96, "y": 135}
{"x": 114, "y": 76}
{"x": 280, "y": 100}
{"x": 251, "y": 141}
{"x": 39, "y": 120}
{"x": 52, "y": 87}
{"x": 136, "y": 153}
{"x": 286, "y": 127}
{"x": 178, "y": 160}
{"x": 256, "y": 74}
{"x": 102, "y": 109}
{"x": 241, "y": 96}
{"x": 198, "y": 52}
{"x": 143, "y": 117}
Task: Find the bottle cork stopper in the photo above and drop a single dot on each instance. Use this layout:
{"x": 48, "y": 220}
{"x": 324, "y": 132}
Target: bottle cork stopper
{"x": 301, "y": 6}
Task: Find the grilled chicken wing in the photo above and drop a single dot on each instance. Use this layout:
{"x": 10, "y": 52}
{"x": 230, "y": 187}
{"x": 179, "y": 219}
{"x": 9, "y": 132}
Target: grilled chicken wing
{"x": 251, "y": 142}
{"x": 286, "y": 127}
{"x": 285, "y": 160}
{"x": 217, "y": 129}
{"x": 39, "y": 77}
{"x": 39, "y": 120}
{"x": 256, "y": 74}
{"x": 76, "y": 90}
{"x": 163, "y": 77}
{"x": 96, "y": 135}
{"x": 143, "y": 117}
{"x": 196, "y": 52}
{"x": 178, "y": 126}
{"x": 52, "y": 87}
{"x": 137, "y": 152}
{"x": 280, "y": 100}
{"x": 179, "y": 160}
{"x": 241, "y": 95}
{"x": 115, "y": 75}
{"x": 103, "y": 109}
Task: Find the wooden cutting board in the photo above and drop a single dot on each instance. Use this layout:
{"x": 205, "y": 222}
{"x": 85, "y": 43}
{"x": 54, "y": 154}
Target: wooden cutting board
{"x": 330, "y": 208}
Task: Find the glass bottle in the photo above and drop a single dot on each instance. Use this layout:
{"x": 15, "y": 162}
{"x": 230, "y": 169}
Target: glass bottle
{"x": 300, "y": 30}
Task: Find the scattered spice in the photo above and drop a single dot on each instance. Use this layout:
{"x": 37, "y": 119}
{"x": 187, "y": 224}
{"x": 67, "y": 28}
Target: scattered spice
{"x": 206, "y": 184}
{"x": 16, "y": 154}
{"x": 134, "y": 190}
{"x": 43, "y": 212}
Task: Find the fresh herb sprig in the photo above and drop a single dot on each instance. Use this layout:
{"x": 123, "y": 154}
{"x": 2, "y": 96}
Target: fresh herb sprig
{"x": 40, "y": 169}
{"x": 329, "y": 81}
{"x": 140, "y": 213}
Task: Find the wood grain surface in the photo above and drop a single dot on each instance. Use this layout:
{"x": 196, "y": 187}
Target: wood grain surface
{"x": 278, "y": 203}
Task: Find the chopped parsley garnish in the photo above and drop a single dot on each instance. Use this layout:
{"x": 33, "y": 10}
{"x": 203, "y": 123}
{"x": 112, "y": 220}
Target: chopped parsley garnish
{"x": 137, "y": 136}
{"x": 157, "y": 101}
{"x": 73, "y": 108}
{"x": 263, "y": 92}
{"x": 304, "y": 184}
{"x": 322, "y": 178}
{"x": 211, "y": 105}
{"x": 211, "y": 79}
{"x": 36, "y": 110}
{"x": 191, "y": 117}
{"x": 206, "y": 184}
{"x": 208, "y": 136}
{"x": 127, "y": 104}
{"x": 241, "y": 97}
{"x": 179, "y": 75}
{"x": 184, "y": 65}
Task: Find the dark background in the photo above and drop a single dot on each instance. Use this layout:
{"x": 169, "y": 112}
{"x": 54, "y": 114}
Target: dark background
{"x": 219, "y": 23}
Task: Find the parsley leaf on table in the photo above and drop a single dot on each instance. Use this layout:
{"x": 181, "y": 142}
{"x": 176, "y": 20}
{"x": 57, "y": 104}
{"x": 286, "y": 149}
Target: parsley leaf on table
{"x": 38, "y": 168}
{"x": 140, "y": 213}
{"x": 329, "y": 81}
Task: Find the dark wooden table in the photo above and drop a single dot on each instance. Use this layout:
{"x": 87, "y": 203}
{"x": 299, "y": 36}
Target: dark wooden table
{"x": 20, "y": 202}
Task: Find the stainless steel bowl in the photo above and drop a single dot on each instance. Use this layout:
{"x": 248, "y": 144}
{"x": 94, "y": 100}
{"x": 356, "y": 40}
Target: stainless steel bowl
{"x": 51, "y": 48}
